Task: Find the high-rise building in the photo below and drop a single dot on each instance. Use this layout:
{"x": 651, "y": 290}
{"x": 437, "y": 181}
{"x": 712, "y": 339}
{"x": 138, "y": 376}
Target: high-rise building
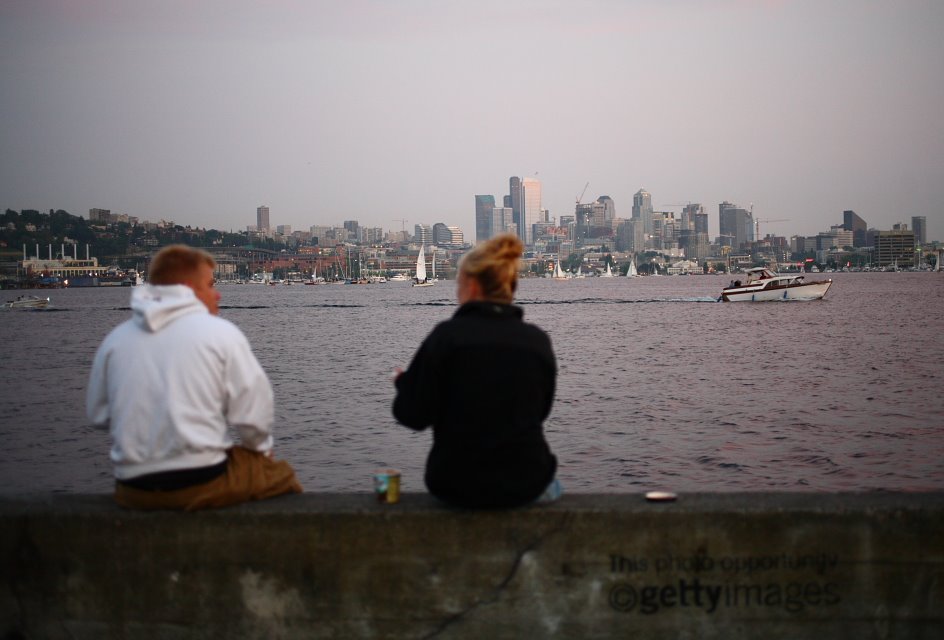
{"x": 690, "y": 217}
{"x": 514, "y": 200}
{"x": 502, "y": 218}
{"x": 423, "y": 234}
{"x": 526, "y": 205}
{"x": 262, "y": 218}
{"x": 99, "y": 215}
{"x": 855, "y": 224}
{"x": 284, "y": 229}
{"x": 699, "y": 219}
{"x": 447, "y": 235}
{"x": 919, "y": 224}
{"x": 737, "y": 225}
{"x": 642, "y": 211}
{"x": 484, "y": 205}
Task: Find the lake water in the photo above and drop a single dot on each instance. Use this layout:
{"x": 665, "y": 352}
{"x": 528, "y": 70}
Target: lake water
{"x": 660, "y": 387}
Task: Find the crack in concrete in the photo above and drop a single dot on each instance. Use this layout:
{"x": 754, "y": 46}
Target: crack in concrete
{"x": 497, "y": 591}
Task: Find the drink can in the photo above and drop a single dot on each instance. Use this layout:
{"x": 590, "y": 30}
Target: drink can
{"x": 387, "y": 486}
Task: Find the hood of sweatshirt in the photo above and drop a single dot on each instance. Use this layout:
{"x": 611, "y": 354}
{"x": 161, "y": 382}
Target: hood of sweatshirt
{"x": 153, "y": 307}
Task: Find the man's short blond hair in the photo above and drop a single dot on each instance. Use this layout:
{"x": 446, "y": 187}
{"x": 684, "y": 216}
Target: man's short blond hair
{"x": 177, "y": 264}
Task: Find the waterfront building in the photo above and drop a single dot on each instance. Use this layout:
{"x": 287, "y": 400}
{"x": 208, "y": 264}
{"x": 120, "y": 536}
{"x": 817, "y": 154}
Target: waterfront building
{"x": 855, "y": 224}
{"x": 484, "y": 208}
{"x": 737, "y": 225}
{"x": 895, "y": 247}
{"x": 919, "y": 224}
{"x": 262, "y": 218}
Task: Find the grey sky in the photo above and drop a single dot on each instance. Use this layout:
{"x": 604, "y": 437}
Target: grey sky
{"x": 326, "y": 111}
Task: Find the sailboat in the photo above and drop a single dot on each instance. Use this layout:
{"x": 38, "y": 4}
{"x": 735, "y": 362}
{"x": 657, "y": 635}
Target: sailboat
{"x": 608, "y": 273}
{"x": 558, "y": 272}
{"x": 420, "y": 280}
{"x": 631, "y": 272}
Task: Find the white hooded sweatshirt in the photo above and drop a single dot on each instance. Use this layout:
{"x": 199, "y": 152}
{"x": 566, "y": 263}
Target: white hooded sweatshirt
{"x": 170, "y": 382}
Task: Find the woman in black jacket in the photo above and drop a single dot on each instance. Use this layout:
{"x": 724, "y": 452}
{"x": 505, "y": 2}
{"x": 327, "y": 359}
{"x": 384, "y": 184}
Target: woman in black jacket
{"x": 485, "y": 382}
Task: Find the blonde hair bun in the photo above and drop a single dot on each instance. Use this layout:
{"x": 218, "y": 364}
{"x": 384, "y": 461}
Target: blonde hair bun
{"x": 495, "y": 264}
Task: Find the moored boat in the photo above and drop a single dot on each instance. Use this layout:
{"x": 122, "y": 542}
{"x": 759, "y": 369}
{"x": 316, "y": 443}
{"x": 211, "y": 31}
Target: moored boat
{"x": 765, "y": 285}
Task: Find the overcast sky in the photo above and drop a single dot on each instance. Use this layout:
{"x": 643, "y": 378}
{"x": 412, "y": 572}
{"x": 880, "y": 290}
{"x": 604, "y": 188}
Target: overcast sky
{"x": 200, "y": 111}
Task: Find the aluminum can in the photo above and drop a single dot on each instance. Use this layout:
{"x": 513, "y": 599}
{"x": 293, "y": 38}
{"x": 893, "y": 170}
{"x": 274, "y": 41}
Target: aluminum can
{"x": 387, "y": 486}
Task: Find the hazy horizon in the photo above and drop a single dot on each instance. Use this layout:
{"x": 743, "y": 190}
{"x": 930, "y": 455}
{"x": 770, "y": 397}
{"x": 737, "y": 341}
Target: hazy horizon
{"x": 379, "y": 111}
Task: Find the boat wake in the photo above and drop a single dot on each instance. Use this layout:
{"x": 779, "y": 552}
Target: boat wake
{"x": 615, "y": 301}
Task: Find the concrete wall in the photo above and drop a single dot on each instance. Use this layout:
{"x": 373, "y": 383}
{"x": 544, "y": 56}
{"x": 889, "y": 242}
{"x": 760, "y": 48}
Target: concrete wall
{"x": 591, "y": 566}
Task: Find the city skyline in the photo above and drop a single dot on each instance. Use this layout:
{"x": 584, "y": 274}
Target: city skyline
{"x": 377, "y": 112}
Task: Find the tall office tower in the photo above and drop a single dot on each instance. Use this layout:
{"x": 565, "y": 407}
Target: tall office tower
{"x": 609, "y": 208}
{"x": 352, "y": 226}
{"x": 737, "y": 225}
{"x": 526, "y": 205}
{"x": 514, "y": 200}
{"x": 919, "y": 224}
{"x": 501, "y": 219}
{"x": 699, "y": 219}
{"x": 642, "y": 210}
{"x": 483, "y": 218}
{"x": 690, "y": 217}
{"x": 262, "y": 218}
{"x": 532, "y": 208}
{"x": 855, "y": 224}
{"x": 423, "y": 234}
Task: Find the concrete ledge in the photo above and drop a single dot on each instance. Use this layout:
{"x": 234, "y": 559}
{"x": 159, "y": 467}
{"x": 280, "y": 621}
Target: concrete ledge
{"x": 591, "y": 566}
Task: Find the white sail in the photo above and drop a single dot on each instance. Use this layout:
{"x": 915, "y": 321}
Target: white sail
{"x": 421, "y": 265}
{"x": 631, "y": 272}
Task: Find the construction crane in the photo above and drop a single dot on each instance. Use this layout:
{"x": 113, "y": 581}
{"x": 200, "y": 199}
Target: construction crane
{"x": 402, "y": 222}
{"x": 758, "y": 221}
{"x": 580, "y": 197}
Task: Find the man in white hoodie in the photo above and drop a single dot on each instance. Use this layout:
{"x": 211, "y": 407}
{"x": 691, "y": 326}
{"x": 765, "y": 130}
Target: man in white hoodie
{"x": 170, "y": 383}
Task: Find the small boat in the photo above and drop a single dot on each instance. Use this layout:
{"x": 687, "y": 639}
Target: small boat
{"x": 631, "y": 270}
{"x": 399, "y": 277}
{"x": 558, "y": 273}
{"x": 766, "y": 285}
{"x": 608, "y": 273}
{"x": 421, "y": 280}
{"x": 27, "y": 302}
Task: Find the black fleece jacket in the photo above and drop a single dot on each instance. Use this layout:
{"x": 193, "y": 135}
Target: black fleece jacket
{"x": 485, "y": 381}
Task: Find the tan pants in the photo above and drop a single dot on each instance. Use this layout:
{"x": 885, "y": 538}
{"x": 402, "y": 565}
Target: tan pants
{"x": 249, "y": 475}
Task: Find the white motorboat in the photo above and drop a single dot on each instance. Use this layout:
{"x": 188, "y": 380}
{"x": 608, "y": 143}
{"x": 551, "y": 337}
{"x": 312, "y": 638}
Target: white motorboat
{"x": 27, "y": 302}
{"x": 766, "y": 285}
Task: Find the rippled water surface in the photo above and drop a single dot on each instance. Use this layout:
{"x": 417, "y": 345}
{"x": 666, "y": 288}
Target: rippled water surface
{"x": 659, "y": 387}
